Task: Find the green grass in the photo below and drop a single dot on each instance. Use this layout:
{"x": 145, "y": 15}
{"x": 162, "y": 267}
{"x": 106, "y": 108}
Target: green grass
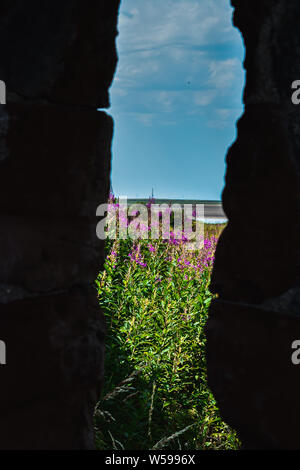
{"x": 155, "y": 393}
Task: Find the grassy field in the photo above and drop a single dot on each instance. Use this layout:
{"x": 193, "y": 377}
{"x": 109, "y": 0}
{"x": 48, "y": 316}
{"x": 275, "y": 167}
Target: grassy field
{"x": 155, "y": 296}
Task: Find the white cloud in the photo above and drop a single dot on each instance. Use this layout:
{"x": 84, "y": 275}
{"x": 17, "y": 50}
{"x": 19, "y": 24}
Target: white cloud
{"x": 223, "y": 117}
{"x": 223, "y": 72}
{"x": 204, "y": 98}
{"x": 145, "y": 118}
{"x": 149, "y": 24}
{"x": 173, "y": 58}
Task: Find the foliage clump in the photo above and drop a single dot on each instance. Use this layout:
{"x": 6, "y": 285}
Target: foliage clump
{"x": 155, "y": 297}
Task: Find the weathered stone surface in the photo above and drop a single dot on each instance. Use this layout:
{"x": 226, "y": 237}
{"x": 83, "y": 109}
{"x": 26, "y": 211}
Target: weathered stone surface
{"x": 252, "y": 375}
{"x": 48, "y": 254}
{"x": 59, "y": 158}
{"x": 55, "y": 351}
{"x": 59, "y": 52}
{"x": 261, "y": 201}
{"x": 58, "y": 62}
{"x": 256, "y": 274}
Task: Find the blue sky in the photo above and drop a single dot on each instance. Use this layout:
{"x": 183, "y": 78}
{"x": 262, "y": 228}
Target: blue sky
{"x": 176, "y": 97}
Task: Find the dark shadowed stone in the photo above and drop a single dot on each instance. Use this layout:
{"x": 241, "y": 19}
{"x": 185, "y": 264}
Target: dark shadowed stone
{"x": 256, "y": 275}
{"x": 62, "y": 155}
{"x": 59, "y": 51}
{"x": 251, "y": 373}
{"x": 58, "y": 62}
{"x": 261, "y": 201}
{"x": 48, "y": 254}
{"x": 54, "y": 371}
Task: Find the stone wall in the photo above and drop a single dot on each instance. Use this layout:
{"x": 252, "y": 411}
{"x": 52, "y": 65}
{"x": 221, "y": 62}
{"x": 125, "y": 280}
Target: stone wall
{"x": 256, "y": 275}
{"x": 58, "y": 60}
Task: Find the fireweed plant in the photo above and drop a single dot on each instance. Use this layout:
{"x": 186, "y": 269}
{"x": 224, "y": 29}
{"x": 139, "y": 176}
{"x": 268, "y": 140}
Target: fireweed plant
{"x": 155, "y": 297}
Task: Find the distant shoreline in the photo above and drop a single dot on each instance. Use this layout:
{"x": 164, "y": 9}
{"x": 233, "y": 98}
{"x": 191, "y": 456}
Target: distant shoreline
{"x": 174, "y": 201}
{"x": 213, "y": 210}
